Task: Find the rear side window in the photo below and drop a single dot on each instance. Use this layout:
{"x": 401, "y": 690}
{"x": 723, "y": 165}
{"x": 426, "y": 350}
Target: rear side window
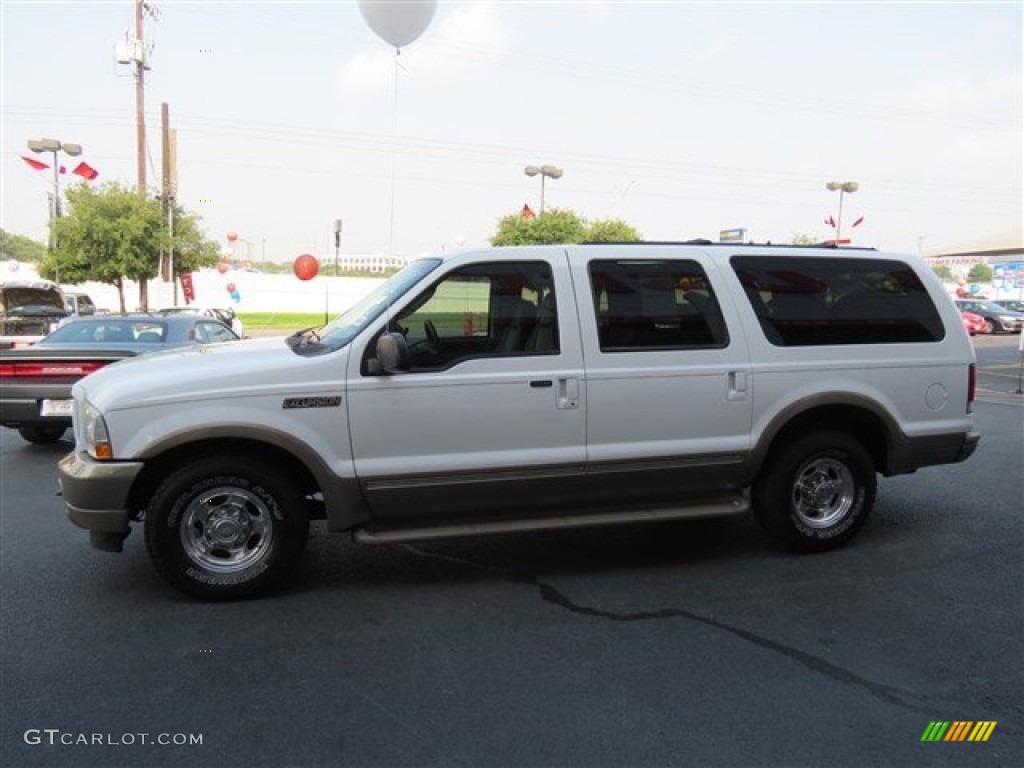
{"x": 655, "y": 305}
{"x": 803, "y": 301}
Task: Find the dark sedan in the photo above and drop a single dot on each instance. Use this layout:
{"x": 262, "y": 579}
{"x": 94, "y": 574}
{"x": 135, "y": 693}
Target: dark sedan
{"x": 35, "y": 396}
{"x": 997, "y": 317}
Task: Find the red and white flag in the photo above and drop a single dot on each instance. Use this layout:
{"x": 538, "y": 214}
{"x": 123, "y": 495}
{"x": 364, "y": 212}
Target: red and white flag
{"x": 187, "y": 287}
{"x": 35, "y": 164}
{"x": 86, "y": 171}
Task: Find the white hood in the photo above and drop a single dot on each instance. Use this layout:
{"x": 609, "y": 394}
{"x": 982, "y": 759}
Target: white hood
{"x": 238, "y": 369}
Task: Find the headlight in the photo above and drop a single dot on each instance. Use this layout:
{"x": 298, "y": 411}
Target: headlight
{"x": 93, "y": 433}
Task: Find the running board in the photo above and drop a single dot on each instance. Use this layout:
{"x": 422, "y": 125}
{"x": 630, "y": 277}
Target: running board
{"x": 731, "y": 506}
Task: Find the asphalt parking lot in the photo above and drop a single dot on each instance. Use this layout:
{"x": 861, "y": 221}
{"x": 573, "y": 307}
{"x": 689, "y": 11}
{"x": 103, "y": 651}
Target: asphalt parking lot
{"x": 695, "y": 643}
{"x": 1000, "y": 368}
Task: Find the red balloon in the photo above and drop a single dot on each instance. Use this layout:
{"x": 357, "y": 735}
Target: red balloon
{"x": 231, "y": 287}
{"x": 306, "y": 267}
{"x": 222, "y": 267}
{"x": 232, "y": 236}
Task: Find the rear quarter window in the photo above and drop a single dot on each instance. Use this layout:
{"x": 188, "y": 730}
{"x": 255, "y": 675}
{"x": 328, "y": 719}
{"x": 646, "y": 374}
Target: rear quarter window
{"x": 817, "y": 301}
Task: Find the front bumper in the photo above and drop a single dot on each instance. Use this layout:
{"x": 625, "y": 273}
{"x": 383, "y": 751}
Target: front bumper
{"x": 96, "y": 494}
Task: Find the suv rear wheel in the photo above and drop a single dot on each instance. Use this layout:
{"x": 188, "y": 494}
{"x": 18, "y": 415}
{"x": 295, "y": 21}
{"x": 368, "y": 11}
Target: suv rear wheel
{"x": 224, "y": 528}
{"x": 816, "y": 492}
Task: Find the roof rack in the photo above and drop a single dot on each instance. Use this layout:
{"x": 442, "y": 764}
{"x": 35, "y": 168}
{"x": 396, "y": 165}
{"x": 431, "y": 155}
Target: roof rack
{"x": 705, "y": 242}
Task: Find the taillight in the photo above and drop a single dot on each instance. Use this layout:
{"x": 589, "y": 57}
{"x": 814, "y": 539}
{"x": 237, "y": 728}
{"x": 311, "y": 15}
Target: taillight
{"x": 47, "y": 370}
{"x": 972, "y": 376}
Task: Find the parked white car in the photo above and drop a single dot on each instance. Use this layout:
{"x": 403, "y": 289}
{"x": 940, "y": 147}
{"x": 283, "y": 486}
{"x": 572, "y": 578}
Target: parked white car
{"x": 532, "y": 388}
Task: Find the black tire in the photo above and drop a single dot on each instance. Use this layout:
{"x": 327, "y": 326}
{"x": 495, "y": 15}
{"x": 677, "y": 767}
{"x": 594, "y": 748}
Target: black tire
{"x": 816, "y": 491}
{"x": 225, "y": 528}
{"x": 42, "y": 434}
{"x": 991, "y": 327}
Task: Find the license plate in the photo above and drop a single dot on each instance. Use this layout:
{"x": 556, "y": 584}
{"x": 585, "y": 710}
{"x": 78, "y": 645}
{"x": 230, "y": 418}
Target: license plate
{"x": 55, "y": 407}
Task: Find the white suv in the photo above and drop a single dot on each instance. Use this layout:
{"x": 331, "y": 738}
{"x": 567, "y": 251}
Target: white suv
{"x": 530, "y": 388}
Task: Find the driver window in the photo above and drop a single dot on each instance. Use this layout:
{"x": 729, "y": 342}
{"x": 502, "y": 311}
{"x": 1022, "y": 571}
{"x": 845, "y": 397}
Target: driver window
{"x": 482, "y": 310}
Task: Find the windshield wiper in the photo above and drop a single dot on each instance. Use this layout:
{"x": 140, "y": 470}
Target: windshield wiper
{"x": 305, "y": 337}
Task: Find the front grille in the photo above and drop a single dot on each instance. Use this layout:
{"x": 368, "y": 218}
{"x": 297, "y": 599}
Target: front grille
{"x": 26, "y": 326}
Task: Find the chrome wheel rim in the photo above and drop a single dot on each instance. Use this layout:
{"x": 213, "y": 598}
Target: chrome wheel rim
{"x": 227, "y": 529}
{"x": 823, "y": 492}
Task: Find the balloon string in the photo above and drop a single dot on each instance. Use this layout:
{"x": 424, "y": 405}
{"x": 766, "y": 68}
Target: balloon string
{"x": 394, "y": 158}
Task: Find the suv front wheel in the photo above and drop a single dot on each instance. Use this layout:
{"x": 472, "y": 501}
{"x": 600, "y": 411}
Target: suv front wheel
{"x": 816, "y": 492}
{"x": 223, "y": 528}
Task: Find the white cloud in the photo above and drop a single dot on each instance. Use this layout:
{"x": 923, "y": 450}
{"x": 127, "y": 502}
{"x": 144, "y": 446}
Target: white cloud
{"x": 460, "y": 43}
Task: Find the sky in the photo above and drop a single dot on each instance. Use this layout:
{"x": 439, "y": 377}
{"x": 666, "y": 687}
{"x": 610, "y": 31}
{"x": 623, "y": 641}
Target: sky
{"x": 681, "y": 118}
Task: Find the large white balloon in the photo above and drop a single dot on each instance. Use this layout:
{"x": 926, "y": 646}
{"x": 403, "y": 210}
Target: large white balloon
{"x": 398, "y": 22}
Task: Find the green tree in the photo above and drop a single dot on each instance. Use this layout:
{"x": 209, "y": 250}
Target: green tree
{"x": 611, "y": 231}
{"x": 805, "y": 239}
{"x": 980, "y": 273}
{"x": 551, "y": 227}
{"x": 20, "y": 248}
{"x": 943, "y": 272}
{"x": 111, "y": 234}
{"x": 192, "y": 249}
{"x": 560, "y": 226}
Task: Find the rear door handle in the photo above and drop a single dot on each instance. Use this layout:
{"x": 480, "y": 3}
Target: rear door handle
{"x": 737, "y": 385}
{"x": 541, "y": 384}
{"x": 568, "y": 394}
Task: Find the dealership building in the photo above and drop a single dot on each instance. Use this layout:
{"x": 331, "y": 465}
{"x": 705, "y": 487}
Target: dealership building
{"x": 1004, "y": 253}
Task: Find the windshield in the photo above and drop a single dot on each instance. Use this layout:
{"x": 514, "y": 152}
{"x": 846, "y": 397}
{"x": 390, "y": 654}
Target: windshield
{"x": 32, "y": 300}
{"x": 347, "y": 325}
{"x": 113, "y": 331}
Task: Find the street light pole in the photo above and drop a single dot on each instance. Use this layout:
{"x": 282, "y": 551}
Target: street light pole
{"x": 546, "y": 172}
{"x": 55, "y": 147}
{"x": 337, "y": 245}
{"x": 842, "y": 187}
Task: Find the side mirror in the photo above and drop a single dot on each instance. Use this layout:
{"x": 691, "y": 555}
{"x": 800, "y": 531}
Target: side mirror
{"x": 392, "y": 354}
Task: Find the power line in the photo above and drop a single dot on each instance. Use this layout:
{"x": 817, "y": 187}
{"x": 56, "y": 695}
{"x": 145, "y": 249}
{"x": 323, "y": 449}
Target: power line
{"x": 648, "y": 168}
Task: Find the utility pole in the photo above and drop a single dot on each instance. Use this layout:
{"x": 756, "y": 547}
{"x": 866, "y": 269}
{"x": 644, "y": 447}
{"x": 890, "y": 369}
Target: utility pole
{"x": 173, "y": 192}
{"x": 168, "y": 188}
{"x": 140, "y": 58}
{"x": 140, "y": 98}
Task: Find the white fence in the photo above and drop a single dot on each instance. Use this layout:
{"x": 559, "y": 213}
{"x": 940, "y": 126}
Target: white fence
{"x": 257, "y": 292}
